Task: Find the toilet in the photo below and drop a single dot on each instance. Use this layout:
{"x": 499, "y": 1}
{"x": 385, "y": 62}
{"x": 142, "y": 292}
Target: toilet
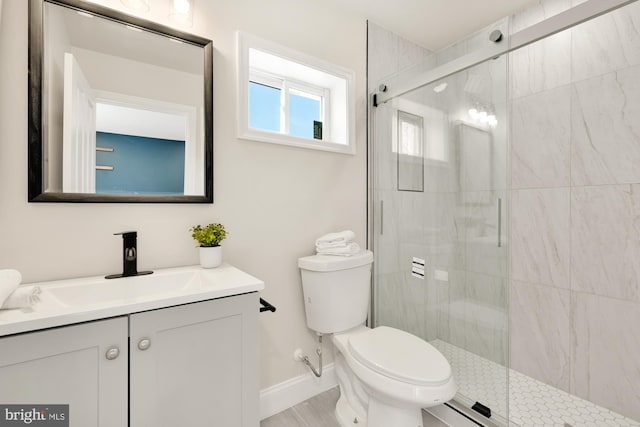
{"x": 386, "y": 376}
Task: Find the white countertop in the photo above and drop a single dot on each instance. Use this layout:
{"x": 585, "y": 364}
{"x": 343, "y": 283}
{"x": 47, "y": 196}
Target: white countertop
{"x": 65, "y": 302}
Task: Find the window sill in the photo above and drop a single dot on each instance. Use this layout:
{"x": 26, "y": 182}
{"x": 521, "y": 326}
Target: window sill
{"x": 296, "y": 141}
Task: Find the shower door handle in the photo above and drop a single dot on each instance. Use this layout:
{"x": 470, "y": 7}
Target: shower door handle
{"x": 381, "y": 217}
{"x": 499, "y": 207}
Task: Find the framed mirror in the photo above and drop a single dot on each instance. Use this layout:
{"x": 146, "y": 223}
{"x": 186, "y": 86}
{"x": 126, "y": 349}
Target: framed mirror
{"x": 120, "y": 108}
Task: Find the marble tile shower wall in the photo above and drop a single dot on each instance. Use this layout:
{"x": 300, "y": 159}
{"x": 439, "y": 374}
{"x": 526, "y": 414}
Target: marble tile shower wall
{"x": 575, "y": 218}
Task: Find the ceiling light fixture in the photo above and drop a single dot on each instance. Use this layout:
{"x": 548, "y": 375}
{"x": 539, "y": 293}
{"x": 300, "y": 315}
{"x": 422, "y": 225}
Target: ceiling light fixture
{"x": 480, "y": 116}
{"x": 181, "y": 12}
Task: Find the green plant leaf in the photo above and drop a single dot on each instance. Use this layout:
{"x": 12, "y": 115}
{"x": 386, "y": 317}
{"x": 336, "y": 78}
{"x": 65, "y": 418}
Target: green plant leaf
{"x": 209, "y": 235}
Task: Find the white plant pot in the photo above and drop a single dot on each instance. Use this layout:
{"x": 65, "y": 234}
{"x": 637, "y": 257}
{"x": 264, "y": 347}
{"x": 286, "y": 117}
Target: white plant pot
{"x": 210, "y": 257}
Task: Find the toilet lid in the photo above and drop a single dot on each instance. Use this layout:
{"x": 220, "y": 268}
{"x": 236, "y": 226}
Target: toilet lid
{"x": 400, "y": 355}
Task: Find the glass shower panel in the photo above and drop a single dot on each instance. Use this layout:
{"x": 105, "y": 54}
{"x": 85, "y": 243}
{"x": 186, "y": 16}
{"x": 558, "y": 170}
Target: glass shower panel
{"x": 440, "y": 199}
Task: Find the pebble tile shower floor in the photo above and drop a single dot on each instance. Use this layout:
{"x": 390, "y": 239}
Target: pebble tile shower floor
{"x": 531, "y": 402}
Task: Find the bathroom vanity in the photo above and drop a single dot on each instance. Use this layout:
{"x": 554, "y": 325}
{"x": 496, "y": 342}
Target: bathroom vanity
{"x": 125, "y": 352}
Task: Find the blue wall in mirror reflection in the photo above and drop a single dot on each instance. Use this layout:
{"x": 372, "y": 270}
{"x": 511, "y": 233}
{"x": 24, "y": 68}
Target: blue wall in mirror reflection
{"x": 140, "y": 165}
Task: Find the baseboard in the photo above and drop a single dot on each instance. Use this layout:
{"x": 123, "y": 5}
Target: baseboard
{"x": 289, "y": 393}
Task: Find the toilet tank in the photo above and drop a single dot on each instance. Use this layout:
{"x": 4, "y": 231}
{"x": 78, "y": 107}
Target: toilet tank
{"x": 336, "y": 290}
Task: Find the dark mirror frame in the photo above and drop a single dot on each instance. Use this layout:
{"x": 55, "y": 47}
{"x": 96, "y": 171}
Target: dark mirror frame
{"x": 35, "y": 166}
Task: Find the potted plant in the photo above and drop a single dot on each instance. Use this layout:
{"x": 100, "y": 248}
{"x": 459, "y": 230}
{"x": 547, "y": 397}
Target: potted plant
{"x": 209, "y": 238}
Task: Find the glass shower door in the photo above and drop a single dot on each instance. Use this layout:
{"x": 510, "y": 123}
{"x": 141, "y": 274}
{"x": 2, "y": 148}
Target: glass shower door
{"x": 439, "y": 237}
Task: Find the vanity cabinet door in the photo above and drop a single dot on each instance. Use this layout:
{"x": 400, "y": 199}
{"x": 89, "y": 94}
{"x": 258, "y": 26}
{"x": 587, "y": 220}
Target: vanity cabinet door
{"x": 84, "y": 366}
{"x": 196, "y": 364}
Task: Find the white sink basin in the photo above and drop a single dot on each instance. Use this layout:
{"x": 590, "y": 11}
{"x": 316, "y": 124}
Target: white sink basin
{"x": 126, "y": 289}
{"x": 64, "y": 302}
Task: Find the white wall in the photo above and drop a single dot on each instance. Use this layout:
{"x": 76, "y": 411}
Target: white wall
{"x": 274, "y": 200}
{"x": 126, "y": 76}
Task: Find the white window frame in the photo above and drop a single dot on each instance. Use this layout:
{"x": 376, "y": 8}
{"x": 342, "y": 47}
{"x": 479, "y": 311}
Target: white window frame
{"x": 289, "y": 85}
{"x": 338, "y": 107}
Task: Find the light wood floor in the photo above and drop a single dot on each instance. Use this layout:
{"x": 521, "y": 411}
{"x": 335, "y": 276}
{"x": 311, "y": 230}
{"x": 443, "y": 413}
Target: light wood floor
{"x": 318, "y": 412}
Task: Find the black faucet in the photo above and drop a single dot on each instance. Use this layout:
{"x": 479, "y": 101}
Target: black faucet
{"x": 129, "y": 256}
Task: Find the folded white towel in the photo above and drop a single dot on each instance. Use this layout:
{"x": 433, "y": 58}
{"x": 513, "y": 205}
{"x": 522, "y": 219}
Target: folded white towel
{"x": 9, "y": 281}
{"x": 342, "y": 237}
{"x": 348, "y": 250}
{"x": 22, "y": 297}
{"x": 321, "y": 246}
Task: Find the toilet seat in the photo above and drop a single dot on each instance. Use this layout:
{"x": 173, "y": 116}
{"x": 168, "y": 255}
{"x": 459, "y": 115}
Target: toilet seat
{"x": 401, "y": 356}
{"x": 388, "y": 386}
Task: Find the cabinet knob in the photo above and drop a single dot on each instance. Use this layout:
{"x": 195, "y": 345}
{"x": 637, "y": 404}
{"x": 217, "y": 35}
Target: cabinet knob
{"x": 112, "y": 353}
{"x": 144, "y": 344}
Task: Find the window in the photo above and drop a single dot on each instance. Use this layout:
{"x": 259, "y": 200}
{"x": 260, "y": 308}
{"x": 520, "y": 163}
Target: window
{"x": 264, "y": 106}
{"x": 286, "y": 106}
{"x": 286, "y": 97}
{"x": 410, "y": 148}
{"x": 420, "y": 131}
{"x": 306, "y": 114}
{"x": 410, "y": 134}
